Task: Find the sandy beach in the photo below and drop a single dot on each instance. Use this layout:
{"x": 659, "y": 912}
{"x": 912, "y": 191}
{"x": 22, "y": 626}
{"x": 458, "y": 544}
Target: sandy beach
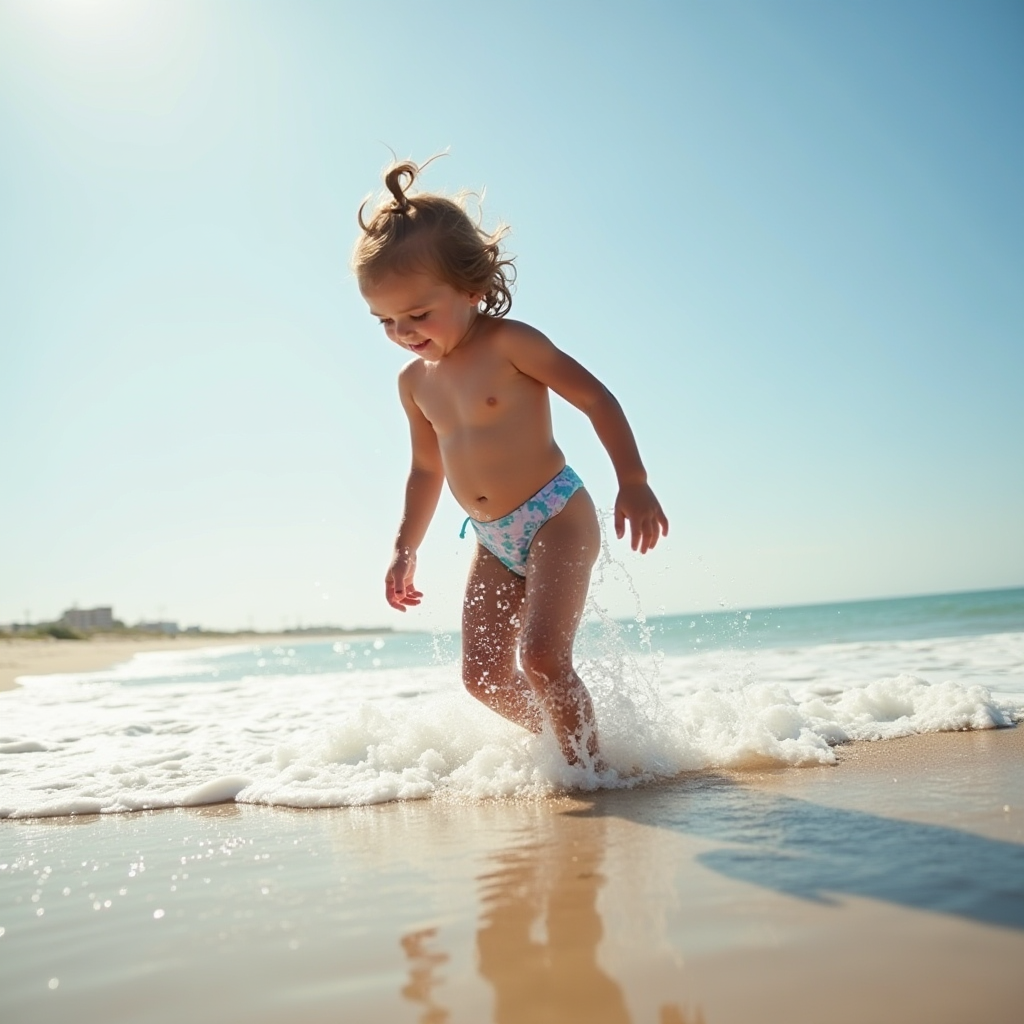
{"x": 887, "y": 888}
{"x": 43, "y": 657}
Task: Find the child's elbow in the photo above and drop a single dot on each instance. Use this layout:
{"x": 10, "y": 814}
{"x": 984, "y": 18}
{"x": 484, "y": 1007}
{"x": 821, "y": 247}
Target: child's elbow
{"x": 427, "y": 471}
{"x": 602, "y": 403}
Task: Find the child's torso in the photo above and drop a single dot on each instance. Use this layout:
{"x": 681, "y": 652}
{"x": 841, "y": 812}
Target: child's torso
{"x": 493, "y": 426}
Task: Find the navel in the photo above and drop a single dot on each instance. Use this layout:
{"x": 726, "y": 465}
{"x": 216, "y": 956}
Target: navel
{"x": 492, "y": 400}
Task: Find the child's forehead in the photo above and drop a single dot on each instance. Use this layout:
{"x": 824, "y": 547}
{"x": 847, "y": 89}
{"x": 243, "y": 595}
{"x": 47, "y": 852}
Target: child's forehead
{"x": 401, "y": 292}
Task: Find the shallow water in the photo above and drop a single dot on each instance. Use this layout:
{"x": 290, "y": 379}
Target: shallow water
{"x": 610, "y": 907}
{"x": 380, "y": 718}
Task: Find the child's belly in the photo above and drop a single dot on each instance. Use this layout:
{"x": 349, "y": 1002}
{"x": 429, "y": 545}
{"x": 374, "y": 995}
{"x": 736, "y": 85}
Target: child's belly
{"x": 491, "y": 476}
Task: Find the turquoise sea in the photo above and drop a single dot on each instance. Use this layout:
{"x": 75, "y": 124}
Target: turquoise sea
{"x": 933, "y": 616}
{"x": 899, "y": 618}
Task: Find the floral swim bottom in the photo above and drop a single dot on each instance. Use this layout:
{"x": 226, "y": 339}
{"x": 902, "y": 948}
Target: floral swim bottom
{"x": 509, "y": 538}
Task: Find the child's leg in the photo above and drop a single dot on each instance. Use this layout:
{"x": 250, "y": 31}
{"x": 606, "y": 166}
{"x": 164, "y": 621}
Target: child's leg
{"x": 491, "y": 622}
{"x": 557, "y": 578}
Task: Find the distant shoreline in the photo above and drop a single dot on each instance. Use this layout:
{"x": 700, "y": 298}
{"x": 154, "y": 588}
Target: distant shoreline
{"x": 46, "y": 656}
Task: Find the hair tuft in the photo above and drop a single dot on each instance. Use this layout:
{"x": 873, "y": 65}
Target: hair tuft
{"x": 425, "y": 231}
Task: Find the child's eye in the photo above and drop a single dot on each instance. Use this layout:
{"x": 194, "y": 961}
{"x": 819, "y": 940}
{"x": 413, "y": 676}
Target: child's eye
{"x": 420, "y": 316}
{"x": 383, "y": 320}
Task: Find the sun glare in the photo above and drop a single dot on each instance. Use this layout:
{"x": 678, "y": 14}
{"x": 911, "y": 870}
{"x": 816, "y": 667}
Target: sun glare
{"x": 90, "y": 25}
{"x": 100, "y": 17}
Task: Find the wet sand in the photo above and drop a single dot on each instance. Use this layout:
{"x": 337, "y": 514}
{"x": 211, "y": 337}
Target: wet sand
{"x": 888, "y": 888}
{"x": 20, "y": 657}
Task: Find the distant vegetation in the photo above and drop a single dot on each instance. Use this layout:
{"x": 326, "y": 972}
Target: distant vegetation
{"x": 62, "y": 633}
{"x": 43, "y": 631}
{"x": 56, "y": 631}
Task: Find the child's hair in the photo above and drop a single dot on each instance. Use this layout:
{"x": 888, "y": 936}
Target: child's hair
{"x": 430, "y": 232}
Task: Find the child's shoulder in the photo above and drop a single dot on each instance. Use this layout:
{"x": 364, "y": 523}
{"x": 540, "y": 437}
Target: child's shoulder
{"x": 410, "y": 373}
{"x": 505, "y": 332}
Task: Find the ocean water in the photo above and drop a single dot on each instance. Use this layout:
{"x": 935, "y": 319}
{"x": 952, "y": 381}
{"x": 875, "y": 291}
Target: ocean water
{"x": 377, "y": 718}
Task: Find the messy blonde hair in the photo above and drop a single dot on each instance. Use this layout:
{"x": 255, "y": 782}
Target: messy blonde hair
{"x": 424, "y": 231}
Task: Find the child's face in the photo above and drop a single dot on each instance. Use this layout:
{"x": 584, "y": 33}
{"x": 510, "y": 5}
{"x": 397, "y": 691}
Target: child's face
{"x": 420, "y": 313}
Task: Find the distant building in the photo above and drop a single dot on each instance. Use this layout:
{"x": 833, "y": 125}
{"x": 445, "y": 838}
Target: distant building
{"x": 88, "y": 618}
{"x": 167, "y": 628}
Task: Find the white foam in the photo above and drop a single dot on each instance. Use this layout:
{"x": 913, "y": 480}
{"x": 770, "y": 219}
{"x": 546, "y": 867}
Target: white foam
{"x": 90, "y": 743}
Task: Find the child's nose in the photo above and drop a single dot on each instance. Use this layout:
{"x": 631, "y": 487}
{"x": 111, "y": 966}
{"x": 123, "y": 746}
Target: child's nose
{"x": 405, "y": 328}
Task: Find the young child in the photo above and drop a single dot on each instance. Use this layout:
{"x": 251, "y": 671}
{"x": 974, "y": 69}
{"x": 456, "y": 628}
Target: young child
{"x": 476, "y": 395}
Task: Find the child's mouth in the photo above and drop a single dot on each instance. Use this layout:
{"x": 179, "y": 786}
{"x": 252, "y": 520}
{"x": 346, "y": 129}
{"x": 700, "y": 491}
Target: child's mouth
{"x": 419, "y": 346}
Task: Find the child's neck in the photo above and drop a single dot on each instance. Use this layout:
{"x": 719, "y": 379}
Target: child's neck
{"x": 470, "y": 331}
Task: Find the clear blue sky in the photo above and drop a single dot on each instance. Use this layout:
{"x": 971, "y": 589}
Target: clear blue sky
{"x": 788, "y": 235}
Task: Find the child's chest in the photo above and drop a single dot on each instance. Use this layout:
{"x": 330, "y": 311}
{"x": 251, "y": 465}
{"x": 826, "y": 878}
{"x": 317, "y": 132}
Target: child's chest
{"x": 480, "y": 393}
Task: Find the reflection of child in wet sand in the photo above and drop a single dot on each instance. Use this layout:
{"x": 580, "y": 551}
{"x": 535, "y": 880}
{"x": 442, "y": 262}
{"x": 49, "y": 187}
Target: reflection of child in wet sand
{"x": 476, "y": 396}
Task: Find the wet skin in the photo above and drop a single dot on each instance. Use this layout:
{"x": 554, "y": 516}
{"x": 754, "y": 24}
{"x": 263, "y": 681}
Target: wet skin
{"x": 477, "y": 399}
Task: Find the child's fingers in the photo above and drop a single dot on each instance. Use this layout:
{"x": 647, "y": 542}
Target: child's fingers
{"x": 646, "y": 526}
{"x": 646, "y": 537}
{"x": 399, "y": 592}
{"x": 655, "y": 532}
{"x": 636, "y": 528}
{"x": 652, "y": 529}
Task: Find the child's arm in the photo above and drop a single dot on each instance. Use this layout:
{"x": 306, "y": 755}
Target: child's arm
{"x": 533, "y": 354}
{"x": 422, "y": 490}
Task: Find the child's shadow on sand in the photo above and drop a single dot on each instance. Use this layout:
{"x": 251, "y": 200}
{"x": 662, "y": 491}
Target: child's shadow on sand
{"x": 815, "y": 852}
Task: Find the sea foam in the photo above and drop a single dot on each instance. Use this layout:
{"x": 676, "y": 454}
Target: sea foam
{"x": 130, "y": 739}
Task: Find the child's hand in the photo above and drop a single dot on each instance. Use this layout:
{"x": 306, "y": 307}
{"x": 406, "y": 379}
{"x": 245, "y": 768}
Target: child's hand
{"x": 647, "y": 522}
{"x": 399, "y": 588}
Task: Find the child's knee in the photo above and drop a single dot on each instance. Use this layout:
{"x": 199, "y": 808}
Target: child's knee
{"x": 478, "y": 680}
{"x": 543, "y": 663}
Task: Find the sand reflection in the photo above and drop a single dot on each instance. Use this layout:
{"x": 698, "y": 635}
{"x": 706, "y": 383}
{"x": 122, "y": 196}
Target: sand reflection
{"x": 423, "y": 978}
{"x": 560, "y": 919}
{"x": 540, "y": 929}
